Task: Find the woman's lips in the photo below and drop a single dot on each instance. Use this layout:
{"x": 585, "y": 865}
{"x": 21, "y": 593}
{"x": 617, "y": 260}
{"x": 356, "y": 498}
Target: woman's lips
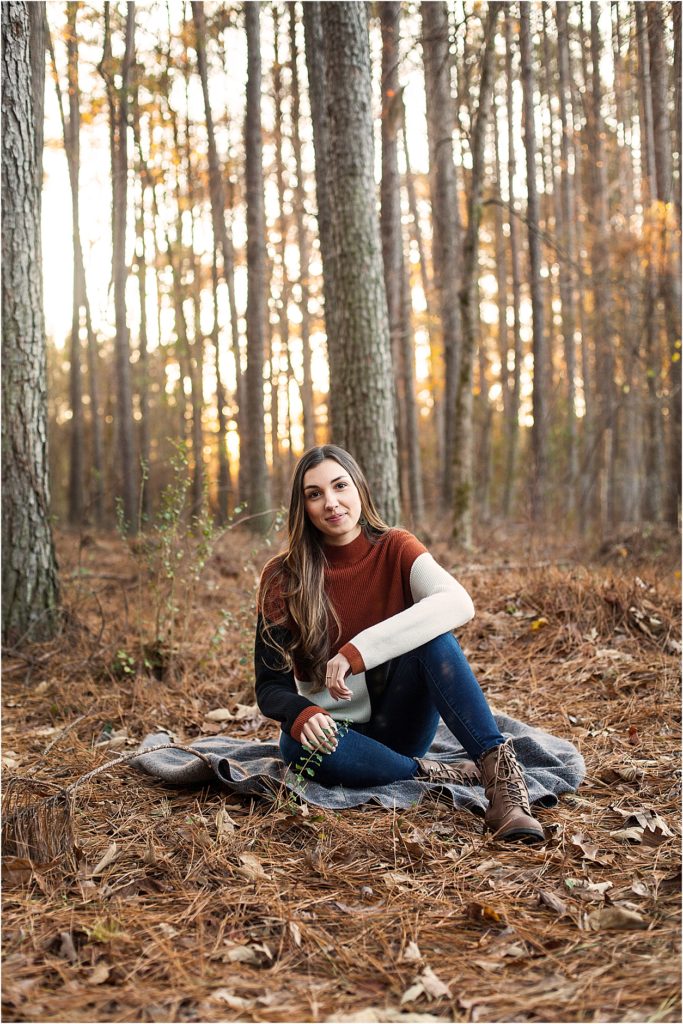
{"x": 335, "y": 519}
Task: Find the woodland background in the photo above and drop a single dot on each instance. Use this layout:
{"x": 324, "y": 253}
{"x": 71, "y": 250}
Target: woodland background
{"x": 528, "y": 198}
{"x": 447, "y": 237}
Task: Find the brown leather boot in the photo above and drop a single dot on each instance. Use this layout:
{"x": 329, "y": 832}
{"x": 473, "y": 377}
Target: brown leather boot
{"x": 508, "y": 814}
{"x": 462, "y": 773}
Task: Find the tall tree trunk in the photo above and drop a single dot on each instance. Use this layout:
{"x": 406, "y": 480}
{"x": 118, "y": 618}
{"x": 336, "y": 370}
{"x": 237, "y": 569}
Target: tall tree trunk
{"x": 669, "y": 256}
{"x": 317, "y": 91}
{"x": 118, "y": 114}
{"x": 412, "y": 414}
{"x": 71, "y": 135}
{"x": 469, "y": 295}
{"x": 501, "y": 278}
{"x": 30, "y": 592}
{"x": 302, "y": 239}
{"x": 259, "y": 496}
{"x": 361, "y": 377}
{"x": 221, "y": 235}
{"x": 390, "y": 225}
{"x": 283, "y": 226}
{"x": 143, "y": 344}
{"x": 568, "y": 265}
{"x": 427, "y": 292}
{"x": 652, "y": 504}
{"x": 196, "y": 348}
{"x": 539, "y": 438}
{"x": 600, "y": 262}
{"x": 225, "y": 494}
{"x": 515, "y": 395}
{"x": 72, "y": 145}
{"x": 446, "y": 231}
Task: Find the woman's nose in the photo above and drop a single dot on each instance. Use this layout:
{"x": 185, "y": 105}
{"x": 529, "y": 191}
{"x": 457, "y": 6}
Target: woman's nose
{"x": 331, "y": 501}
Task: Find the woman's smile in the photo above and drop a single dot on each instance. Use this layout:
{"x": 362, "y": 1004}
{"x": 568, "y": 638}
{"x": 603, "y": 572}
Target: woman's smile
{"x": 332, "y": 502}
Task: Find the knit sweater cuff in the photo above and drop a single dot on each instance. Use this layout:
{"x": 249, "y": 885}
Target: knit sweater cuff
{"x": 301, "y": 719}
{"x": 354, "y": 658}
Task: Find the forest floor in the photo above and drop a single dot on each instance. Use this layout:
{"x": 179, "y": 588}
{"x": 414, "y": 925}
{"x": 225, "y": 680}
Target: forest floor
{"x": 197, "y": 905}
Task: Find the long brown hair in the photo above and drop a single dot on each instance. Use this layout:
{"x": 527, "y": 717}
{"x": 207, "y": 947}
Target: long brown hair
{"x": 292, "y": 584}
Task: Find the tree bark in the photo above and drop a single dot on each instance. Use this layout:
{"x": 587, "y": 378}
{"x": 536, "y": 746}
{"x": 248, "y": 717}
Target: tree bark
{"x": 652, "y": 503}
{"x": 446, "y": 230}
{"x": 669, "y": 255}
{"x": 221, "y": 235}
{"x": 259, "y": 496}
{"x": 317, "y": 92}
{"x": 118, "y": 114}
{"x": 469, "y": 296}
{"x": 225, "y": 494}
{"x": 30, "y": 591}
{"x": 391, "y": 233}
{"x": 515, "y": 395}
{"x": 539, "y": 439}
{"x": 302, "y": 239}
{"x": 361, "y": 377}
{"x": 567, "y": 266}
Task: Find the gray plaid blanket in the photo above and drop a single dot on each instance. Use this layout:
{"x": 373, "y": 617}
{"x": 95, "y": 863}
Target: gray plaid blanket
{"x": 552, "y": 766}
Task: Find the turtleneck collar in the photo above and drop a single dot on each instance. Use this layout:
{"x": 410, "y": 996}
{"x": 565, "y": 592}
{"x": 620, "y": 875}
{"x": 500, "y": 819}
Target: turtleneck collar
{"x": 347, "y": 554}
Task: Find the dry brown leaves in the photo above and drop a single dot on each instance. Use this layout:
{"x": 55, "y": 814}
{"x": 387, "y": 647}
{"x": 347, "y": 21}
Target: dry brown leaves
{"x": 196, "y": 905}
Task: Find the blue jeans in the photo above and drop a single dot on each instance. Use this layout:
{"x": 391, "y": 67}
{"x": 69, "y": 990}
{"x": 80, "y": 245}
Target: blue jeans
{"x": 435, "y": 680}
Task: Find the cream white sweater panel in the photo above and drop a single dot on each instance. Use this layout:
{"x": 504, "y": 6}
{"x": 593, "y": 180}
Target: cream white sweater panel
{"x": 441, "y": 604}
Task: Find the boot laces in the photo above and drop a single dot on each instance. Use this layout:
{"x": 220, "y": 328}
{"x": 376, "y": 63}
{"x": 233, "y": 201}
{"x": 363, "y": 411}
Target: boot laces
{"x": 509, "y": 777}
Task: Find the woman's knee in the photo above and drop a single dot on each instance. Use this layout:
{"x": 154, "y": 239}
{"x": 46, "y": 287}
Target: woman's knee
{"x": 442, "y": 647}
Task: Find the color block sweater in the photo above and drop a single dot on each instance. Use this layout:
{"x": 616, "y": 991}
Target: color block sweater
{"x": 390, "y": 596}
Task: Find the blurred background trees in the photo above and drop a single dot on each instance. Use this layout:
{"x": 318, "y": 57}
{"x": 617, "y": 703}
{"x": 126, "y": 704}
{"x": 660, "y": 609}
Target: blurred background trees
{"x": 445, "y": 235}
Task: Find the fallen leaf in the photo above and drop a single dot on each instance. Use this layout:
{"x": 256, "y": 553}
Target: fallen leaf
{"x": 640, "y": 889}
{"x": 549, "y": 899}
{"x": 295, "y": 932}
{"x": 16, "y": 870}
{"x": 237, "y": 954}
{"x": 251, "y": 867}
{"x": 246, "y": 711}
{"x": 398, "y": 880}
{"x": 484, "y": 912}
{"x": 633, "y": 835}
{"x": 538, "y": 623}
{"x": 411, "y": 952}
{"x": 225, "y": 825}
{"x": 219, "y": 715}
{"x": 590, "y": 851}
{"x": 412, "y": 993}
{"x": 633, "y": 737}
{"x": 109, "y": 857}
{"x": 615, "y": 918}
{"x": 99, "y": 975}
{"x": 433, "y": 985}
{"x": 230, "y": 999}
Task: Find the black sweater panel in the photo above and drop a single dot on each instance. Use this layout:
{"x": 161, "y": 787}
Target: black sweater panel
{"x": 276, "y": 693}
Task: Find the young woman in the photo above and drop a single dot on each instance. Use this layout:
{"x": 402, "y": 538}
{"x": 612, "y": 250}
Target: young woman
{"x": 354, "y": 623}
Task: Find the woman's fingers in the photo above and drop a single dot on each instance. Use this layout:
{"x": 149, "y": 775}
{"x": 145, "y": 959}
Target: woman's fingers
{"x": 336, "y": 672}
{"x": 320, "y": 733}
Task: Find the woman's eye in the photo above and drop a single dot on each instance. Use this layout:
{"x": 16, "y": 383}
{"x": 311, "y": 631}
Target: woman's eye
{"x": 341, "y": 484}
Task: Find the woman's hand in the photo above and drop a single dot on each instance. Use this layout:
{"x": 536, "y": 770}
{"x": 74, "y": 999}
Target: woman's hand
{"x": 320, "y": 733}
{"x": 336, "y": 672}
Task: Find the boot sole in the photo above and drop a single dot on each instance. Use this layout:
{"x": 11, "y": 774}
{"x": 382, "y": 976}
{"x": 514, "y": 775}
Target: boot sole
{"x": 520, "y": 835}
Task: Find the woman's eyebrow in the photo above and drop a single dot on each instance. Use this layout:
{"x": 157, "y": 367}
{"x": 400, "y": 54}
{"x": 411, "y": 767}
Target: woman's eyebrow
{"x": 316, "y": 487}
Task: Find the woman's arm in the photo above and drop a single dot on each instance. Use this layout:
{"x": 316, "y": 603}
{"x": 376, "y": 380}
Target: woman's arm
{"x": 276, "y": 693}
{"x": 441, "y": 604}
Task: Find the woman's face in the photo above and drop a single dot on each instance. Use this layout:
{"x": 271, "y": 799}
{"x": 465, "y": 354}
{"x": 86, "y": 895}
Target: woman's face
{"x": 332, "y": 502}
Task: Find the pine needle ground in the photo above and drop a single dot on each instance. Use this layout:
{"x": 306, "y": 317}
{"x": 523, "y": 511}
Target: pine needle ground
{"x": 196, "y": 905}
